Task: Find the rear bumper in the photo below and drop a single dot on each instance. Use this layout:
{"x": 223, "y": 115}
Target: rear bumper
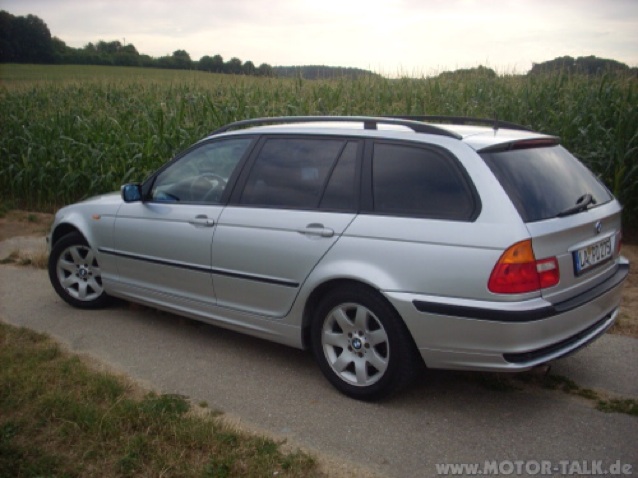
{"x": 498, "y": 336}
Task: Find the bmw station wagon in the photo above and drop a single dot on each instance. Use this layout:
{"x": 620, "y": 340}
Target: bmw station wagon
{"x": 381, "y": 244}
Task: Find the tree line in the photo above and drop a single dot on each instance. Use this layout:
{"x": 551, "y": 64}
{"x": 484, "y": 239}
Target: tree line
{"x": 589, "y": 65}
{"x": 27, "y": 39}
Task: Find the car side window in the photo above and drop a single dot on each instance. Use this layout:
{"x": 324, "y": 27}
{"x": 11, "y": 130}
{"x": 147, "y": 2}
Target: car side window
{"x": 201, "y": 175}
{"x": 341, "y": 191}
{"x": 419, "y": 181}
{"x": 291, "y": 172}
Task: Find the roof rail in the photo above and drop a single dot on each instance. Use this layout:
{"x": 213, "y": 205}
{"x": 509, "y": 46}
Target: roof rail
{"x": 369, "y": 122}
{"x": 466, "y": 120}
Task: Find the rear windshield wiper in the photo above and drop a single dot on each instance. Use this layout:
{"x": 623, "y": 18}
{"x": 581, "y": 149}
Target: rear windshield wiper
{"x": 581, "y": 205}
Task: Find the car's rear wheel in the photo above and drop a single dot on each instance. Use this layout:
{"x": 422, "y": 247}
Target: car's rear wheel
{"x": 362, "y": 345}
{"x": 75, "y": 273}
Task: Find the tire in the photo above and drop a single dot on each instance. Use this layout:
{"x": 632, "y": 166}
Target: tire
{"x": 362, "y": 345}
{"x": 75, "y": 273}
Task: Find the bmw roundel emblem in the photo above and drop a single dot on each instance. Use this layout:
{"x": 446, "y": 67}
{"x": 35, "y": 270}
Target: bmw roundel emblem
{"x": 598, "y": 227}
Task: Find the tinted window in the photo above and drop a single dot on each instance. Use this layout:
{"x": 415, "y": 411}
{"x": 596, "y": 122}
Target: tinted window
{"x": 291, "y": 172}
{"x": 542, "y": 182}
{"x": 419, "y": 181}
{"x": 340, "y": 194}
{"x": 201, "y": 175}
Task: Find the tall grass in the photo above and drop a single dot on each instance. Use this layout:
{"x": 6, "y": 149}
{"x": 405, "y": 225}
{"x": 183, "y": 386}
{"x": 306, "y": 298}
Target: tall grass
{"x": 70, "y": 136}
{"x": 59, "y": 418}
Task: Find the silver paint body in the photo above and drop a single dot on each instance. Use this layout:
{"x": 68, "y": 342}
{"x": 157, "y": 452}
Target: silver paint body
{"x": 405, "y": 259}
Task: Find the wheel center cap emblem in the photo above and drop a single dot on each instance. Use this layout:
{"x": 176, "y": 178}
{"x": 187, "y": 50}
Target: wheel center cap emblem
{"x": 356, "y": 344}
{"x": 83, "y": 272}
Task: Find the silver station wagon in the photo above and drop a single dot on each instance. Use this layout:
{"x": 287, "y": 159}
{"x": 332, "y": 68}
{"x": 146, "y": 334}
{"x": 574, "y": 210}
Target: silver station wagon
{"x": 381, "y": 244}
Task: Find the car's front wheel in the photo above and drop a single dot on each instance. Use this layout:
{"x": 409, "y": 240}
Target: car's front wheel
{"x": 75, "y": 273}
{"x": 362, "y": 345}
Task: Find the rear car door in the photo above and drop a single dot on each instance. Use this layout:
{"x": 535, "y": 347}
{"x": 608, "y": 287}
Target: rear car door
{"x": 290, "y": 208}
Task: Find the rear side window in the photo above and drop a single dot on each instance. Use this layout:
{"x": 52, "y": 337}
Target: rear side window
{"x": 418, "y": 181}
{"x": 341, "y": 191}
{"x": 543, "y": 182}
{"x": 292, "y": 172}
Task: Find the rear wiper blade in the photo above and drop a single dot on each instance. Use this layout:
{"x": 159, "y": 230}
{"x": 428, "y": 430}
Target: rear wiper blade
{"x": 582, "y": 203}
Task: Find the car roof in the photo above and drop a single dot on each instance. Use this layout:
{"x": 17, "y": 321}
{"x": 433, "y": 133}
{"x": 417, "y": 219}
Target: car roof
{"x": 481, "y": 137}
{"x": 478, "y": 137}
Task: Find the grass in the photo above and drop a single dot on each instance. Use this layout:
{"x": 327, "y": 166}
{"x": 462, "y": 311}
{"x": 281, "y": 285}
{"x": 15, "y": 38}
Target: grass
{"x": 628, "y": 406}
{"x": 601, "y": 400}
{"x": 73, "y": 131}
{"x": 59, "y": 417}
{"x": 37, "y": 259}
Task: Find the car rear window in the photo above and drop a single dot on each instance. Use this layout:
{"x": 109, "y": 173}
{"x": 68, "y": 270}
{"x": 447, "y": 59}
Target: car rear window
{"x": 544, "y": 182}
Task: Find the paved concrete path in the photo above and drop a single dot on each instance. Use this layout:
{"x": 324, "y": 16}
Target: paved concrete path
{"x": 446, "y": 417}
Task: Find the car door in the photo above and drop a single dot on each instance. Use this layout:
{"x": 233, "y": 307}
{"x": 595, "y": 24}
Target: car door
{"x": 163, "y": 244}
{"x": 291, "y": 207}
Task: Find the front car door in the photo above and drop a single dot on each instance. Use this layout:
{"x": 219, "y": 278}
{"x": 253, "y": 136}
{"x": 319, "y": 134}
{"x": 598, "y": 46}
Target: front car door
{"x": 163, "y": 244}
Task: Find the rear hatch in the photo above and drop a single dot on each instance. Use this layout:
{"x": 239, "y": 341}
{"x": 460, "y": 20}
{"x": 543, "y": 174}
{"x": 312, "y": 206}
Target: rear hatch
{"x": 570, "y": 214}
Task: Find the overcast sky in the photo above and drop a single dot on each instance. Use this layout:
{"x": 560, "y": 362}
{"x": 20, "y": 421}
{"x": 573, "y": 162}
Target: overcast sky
{"x": 391, "y": 37}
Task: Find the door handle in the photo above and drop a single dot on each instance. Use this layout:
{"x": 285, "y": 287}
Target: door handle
{"x": 316, "y": 229}
{"x": 201, "y": 220}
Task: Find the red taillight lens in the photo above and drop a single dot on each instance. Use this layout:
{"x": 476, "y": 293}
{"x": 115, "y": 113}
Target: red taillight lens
{"x": 517, "y": 271}
{"x": 619, "y": 243}
{"x": 548, "y": 272}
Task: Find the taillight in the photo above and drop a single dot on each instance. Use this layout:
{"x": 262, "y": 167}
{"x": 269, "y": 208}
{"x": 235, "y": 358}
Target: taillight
{"x": 517, "y": 271}
{"x": 619, "y": 243}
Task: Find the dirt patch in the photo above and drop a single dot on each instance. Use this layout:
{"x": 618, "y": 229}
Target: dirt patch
{"x": 627, "y": 323}
{"x": 23, "y": 223}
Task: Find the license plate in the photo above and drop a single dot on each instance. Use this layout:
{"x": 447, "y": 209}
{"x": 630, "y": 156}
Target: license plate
{"x": 593, "y": 255}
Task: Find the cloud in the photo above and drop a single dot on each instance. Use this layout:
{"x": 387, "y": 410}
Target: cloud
{"x": 409, "y": 35}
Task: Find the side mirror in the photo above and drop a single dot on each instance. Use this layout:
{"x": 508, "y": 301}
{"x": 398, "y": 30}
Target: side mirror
{"x": 132, "y": 192}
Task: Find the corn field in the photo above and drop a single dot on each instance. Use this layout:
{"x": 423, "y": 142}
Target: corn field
{"x": 67, "y": 134}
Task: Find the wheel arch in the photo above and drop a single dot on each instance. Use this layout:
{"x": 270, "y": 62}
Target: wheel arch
{"x": 62, "y": 230}
{"x": 325, "y": 288}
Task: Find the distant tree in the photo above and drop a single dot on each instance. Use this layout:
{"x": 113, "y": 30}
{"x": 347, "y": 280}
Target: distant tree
{"x": 314, "y": 72}
{"x": 147, "y": 61}
{"x": 7, "y": 48}
{"x": 126, "y": 55}
{"x": 478, "y": 72}
{"x": 593, "y": 65}
{"x": 248, "y": 68}
{"x": 233, "y": 66}
{"x": 165, "y": 62}
{"x": 182, "y": 60}
{"x": 108, "y": 48}
{"x": 25, "y": 39}
{"x": 36, "y": 43}
{"x": 265, "y": 70}
{"x": 61, "y": 52}
{"x": 589, "y": 65}
{"x": 206, "y": 63}
{"x": 218, "y": 63}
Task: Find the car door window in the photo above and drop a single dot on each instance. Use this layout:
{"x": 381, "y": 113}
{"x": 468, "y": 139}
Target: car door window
{"x": 341, "y": 191}
{"x": 291, "y": 172}
{"x": 419, "y": 181}
{"x": 201, "y": 175}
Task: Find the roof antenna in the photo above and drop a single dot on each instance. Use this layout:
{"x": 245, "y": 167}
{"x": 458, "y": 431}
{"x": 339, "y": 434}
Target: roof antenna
{"x": 495, "y": 122}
